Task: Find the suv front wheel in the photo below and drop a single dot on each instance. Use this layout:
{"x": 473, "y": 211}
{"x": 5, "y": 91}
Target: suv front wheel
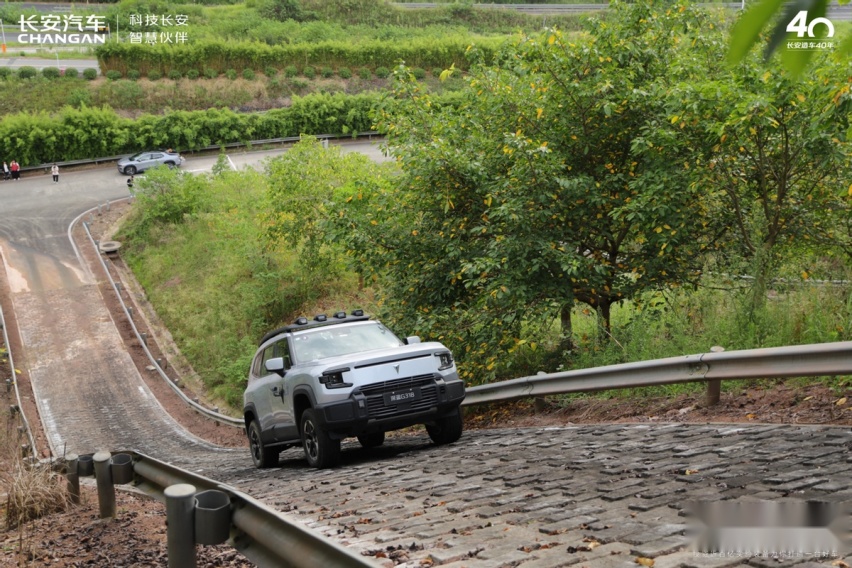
{"x": 322, "y": 451}
{"x": 447, "y": 429}
{"x": 261, "y": 455}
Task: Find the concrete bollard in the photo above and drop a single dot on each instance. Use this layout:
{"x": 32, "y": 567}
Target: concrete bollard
{"x": 144, "y": 337}
{"x": 106, "y": 490}
{"x": 180, "y": 525}
{"x": 72, "y": 478}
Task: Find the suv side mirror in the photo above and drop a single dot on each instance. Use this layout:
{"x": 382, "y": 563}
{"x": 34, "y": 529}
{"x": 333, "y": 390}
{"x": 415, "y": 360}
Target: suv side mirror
{"x": 412, "y": 340}
{"x": 275, "y": 365}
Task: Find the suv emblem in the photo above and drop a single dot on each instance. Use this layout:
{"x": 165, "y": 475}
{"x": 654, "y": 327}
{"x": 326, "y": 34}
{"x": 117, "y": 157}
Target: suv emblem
{"x": 396, "y": 368}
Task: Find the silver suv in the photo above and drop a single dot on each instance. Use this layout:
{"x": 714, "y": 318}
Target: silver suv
{"x": 313, "y": 383}
{"x": 146, "y": 160}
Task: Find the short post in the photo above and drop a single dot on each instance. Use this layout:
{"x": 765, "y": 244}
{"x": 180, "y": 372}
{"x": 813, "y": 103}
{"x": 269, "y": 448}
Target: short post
{"x": 144, "y": 337}
{"x": 180, "y": 525}
{"x": 108, "y": 205}
{"x": 714, "y": 386}
{"x": 72, "y": 478}
{"x": 106, "y": 490}
{"x": 8, "y": 385}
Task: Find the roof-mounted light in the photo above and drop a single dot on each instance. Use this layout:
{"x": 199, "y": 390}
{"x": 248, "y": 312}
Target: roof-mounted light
{"x": 340, "y": 315}
{"x": 302, "y": 321}
{"x": 320, "y": 317}
{"x": 358, "y": 313}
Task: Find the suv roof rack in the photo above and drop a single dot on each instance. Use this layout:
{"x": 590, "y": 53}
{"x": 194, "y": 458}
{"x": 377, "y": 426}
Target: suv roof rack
{"x": 320, "y": 320}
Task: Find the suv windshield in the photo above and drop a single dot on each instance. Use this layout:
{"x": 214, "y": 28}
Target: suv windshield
{"x": 333, "y": 341}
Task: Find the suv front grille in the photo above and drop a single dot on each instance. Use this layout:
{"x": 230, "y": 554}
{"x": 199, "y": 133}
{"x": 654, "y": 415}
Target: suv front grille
{"x": 376, "y": 401}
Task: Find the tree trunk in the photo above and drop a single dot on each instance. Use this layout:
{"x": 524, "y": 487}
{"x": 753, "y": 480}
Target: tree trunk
{"x": 567, "y": 341}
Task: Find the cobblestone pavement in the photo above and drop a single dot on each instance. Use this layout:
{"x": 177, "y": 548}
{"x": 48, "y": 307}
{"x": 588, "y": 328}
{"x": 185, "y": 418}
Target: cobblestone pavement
{"x": 596, "y": 496}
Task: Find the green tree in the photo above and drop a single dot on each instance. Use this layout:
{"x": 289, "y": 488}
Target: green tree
{"x": 776, "y": 157}
{"x": 538, "y": 191}
{"x": 304, "y": 184}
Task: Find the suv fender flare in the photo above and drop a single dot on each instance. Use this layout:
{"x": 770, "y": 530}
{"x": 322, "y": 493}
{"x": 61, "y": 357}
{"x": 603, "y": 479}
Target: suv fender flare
{"x": 302, "y": 390}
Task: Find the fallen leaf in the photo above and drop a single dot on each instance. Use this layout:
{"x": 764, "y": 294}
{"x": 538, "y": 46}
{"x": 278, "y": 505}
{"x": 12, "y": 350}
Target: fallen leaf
{"x": 840, "y": 564}
{"x": 807, "y": 398}
{"x": 841, "y": 402}
{"x": 645, "y": 561}
{"x": 750, "y": 416}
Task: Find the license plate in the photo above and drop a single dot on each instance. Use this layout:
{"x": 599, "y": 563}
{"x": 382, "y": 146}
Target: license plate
{"x": 402, "y": 397}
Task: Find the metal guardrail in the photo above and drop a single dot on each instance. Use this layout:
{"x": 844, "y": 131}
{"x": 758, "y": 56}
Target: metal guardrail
{"x": 815, "y": 360}
{"x": 224, "y": 419}
{"x": 256, "y": 531}
{"x": 13, "y": 382}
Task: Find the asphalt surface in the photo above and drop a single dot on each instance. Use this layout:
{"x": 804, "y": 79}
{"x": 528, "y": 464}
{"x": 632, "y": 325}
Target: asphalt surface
{"x": 594, "y": 496}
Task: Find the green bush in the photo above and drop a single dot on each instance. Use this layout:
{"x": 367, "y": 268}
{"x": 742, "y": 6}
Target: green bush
{"x": 154, "y": 75}
{"x": 270, "y": 72}
{"x": 382, "y": 72}
{"x": 231, "y": 74}
{"x": 344, "y": 73}
{"x": 51, "y": 73}
{"x": 210, "y": 73}
{"x": 327, "y": 72}
{"x": 365, "y": 73}
{"x": 419, "y": 73}
{"x": 291, "y": 71}
{"x": 175, "y": 75}
{"x": 90, "y": 74}
{"x": 71, "y": 73}
{"x": 113, "y": 75}
{"x": 79, "y": 97}
{"x": 248, "y": 74}
{"x": 436, "y": 72}
{"x": 133, "y": 74}
{"x": 299, "y": 85}
{"x": 309, "y": 72}
{"x": 27, "y": 72}
{"x": 192, "y": 74}
{"x": 5, "y": 72}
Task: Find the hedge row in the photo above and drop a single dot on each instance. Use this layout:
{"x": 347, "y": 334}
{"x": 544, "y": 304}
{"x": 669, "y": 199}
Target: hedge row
{"x": 221, "y": 56}
{"x": 72, "y": 134}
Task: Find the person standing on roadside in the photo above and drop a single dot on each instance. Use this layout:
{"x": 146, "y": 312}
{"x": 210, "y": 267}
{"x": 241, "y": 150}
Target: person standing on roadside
{"x": 16, "y": 170}
{"x": 5, "y": 171}
{"x": 130, "y": 182}
{"x": 54, "y": 170}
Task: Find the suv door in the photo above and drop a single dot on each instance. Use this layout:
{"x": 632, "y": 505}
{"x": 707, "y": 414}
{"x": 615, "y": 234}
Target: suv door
{"x": 277, "y": 410}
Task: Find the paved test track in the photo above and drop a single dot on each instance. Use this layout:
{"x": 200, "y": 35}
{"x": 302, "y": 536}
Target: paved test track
{"x": 534, "y": 497}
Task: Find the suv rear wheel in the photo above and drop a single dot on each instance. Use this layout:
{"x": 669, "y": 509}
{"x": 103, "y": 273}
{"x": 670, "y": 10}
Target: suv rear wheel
{"x": 261, "y": 455}
{"x": 373, "y": 440}
{"x": 447, "y": 429}
{"x": 320, "y": 449}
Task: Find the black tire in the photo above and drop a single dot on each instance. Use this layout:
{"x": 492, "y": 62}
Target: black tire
{"x": 170, "y": 165}
{"x": 261, "y": 455}
{"x": 130, "y": 170}
{"x": 447, "y": 429}
{"x": 373, "y": 440}
{"x": 321, "y": 450}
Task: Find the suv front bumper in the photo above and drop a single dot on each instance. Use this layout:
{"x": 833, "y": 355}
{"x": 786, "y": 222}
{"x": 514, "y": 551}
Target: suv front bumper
{"x": 367, "y": 409}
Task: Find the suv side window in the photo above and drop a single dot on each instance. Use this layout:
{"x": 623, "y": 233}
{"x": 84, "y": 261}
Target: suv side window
{"x": 277, "y": 349}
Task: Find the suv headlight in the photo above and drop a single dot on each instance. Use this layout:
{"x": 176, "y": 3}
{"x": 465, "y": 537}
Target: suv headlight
{"x": 445, "y": 360}
{"x": 333, "y": 379}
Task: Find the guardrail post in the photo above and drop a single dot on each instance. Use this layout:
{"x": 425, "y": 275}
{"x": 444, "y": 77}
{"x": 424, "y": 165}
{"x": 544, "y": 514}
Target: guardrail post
{"x": 714, "y": 387}
{"x": 72, "y": 478}
{"x": 106, "y": 490}
{"x": 180, "y": 525}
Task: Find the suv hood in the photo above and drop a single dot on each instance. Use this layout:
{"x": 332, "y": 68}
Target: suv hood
{"x": 356, "y": 361}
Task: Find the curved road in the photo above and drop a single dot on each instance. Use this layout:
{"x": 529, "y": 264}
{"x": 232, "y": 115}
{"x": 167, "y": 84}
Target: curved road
{"x": 595, "y": 496}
